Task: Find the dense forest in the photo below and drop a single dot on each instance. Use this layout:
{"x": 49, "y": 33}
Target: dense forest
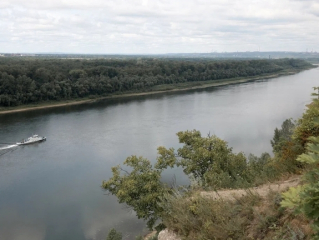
{"x": 33, "y": 80}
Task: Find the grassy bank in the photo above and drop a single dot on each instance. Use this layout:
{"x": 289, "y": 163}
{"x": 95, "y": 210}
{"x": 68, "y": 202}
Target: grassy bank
{"x": 153, "y": 90}
{"x": 238, "y": 214}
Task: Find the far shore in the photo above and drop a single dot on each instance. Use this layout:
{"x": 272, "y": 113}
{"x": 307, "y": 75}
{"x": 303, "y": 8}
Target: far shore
{"x": 178, "y": 88}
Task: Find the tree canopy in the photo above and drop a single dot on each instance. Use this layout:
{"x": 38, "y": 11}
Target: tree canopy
{"x": 208, "y": 159}
{"x": 33, "y": 80}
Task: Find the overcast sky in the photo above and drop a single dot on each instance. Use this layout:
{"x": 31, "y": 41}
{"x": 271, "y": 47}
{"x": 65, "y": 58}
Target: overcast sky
{"x": 158, "y": 26}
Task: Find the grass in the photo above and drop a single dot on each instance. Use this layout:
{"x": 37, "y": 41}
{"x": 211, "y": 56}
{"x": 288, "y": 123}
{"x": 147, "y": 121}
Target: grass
{"x": 247, "y": 217}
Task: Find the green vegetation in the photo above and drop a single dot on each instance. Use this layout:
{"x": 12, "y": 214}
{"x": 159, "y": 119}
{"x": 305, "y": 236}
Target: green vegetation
{"x": 282, "y": 136}
{"x": 199, "y": 217}
{"x": 304, "y": 199}
{"x": 193, "y": 216}
{"x": 286, "y": 148}
{"x": 213, "y": 166}
{"x": 290, "y": 141}
{"x": 29, "y": 81}
{"x": 306, "y": 125}
{"x": 114, "y": 235}
{"x": 212, "y": 163}
{"x": 208, "y": 159}
{"x": 140, "y": 189}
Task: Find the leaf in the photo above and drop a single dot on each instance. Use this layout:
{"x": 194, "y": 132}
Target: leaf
{"x": 291, "y": 198}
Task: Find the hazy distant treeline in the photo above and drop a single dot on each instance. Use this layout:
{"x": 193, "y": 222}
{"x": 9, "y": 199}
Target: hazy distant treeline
{"x": 24, "y": 81}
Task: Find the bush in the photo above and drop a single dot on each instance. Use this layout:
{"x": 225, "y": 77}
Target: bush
{"x": 306, "y": 126}
{"x": 286, "y": 149}
{"x": 283, "y": 135}
{"x": 261, "y": 169}
{"x": 305, "y": 199}
{"x": 140, "y": 189}
{"x": 197, "y": 217}
{"x": 192, "y": 216}
{"x": 114, "y": 235}
{"x": 208, "y": 160}
{"x": 290, "y": 141}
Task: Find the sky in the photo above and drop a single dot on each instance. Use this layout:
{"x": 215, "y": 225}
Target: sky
{"x": 158, "y": 26}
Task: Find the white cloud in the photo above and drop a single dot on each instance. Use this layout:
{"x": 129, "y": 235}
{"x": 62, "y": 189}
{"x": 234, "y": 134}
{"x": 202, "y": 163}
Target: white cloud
{"x": 157, "y": 26}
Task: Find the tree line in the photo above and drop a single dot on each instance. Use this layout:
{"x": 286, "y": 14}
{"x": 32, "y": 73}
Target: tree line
{"x": 33, "y": 80}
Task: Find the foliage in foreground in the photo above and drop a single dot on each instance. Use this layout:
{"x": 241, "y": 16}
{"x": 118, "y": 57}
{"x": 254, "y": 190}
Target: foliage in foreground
{"x": 306, "y": 125}
{"x": 211, "y": 162}
{"x": 282, "y": 135}
{"x": 290, "y": 141}
{"x": 286, "y": 148}
{"x": 247, "y": 217}
{"x": 305, "y": 199}
{"x": 208, "y": 160}
{"x": 114, "y": 235}
{"x": 140, "y": 189}
{"x": 213, "y": 165}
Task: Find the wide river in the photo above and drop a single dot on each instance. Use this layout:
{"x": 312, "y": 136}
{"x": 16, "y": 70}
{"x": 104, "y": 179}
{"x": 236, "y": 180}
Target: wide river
{"x": 51, "y": 190}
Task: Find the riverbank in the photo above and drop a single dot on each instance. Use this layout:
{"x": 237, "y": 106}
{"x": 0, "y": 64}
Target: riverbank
{"x": 165, "y": 88}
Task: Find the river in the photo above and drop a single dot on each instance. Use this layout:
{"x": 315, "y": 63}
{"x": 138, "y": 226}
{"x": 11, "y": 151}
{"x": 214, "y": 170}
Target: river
{"x": 51, "y": 190}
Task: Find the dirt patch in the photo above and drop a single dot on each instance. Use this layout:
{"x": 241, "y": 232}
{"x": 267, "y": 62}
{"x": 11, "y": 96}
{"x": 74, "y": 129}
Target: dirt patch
{"x": 167, "y": 235}
{"x": 262, "y": 190}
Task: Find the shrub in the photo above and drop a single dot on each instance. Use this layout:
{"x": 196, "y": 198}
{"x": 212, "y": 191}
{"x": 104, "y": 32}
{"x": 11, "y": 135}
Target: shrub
{"x": 208, "y": 160}
{"x": 306, "y": 126}
{"x": 305, "y": 199}
{"x": 261, "y": 169}
{"x": 197, "y": 217}
{"x": 140, "y": 189}
{"x": 286, "y": 149}
{"x": 283, "y": 135}
{"x": 114, "y": 235}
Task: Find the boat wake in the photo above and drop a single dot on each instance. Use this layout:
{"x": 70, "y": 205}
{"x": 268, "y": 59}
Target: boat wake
{"x": 8, "y": 147}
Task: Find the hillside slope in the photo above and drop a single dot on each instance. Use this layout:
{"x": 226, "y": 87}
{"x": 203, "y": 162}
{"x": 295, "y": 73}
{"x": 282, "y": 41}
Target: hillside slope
{"x": 265, "y": 220}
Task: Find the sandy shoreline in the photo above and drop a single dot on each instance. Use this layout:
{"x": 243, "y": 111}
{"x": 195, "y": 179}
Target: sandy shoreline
{"x": 77, "y": 102}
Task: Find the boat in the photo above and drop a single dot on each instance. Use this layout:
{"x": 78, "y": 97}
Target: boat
{"x": 33, "y": 139}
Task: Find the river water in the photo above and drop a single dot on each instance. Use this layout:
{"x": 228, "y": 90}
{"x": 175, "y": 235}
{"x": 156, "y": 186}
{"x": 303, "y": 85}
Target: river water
{"x": 51, "y": 190}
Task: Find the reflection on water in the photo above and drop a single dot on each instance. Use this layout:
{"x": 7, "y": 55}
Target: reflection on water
{"x": 51, "y": 190}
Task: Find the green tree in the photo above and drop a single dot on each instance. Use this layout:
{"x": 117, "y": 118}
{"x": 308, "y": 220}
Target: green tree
{"x": 207, "y": 159}
{"x": 114, "y": 235}
{"x": 141, "y": 189}
{"x": 198, "y": 154}
{"x": 281, "y": 136}
{"x": 305, "y": 199}
{"x": 286, "y": 148}
{"x": 306, "y": 126}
